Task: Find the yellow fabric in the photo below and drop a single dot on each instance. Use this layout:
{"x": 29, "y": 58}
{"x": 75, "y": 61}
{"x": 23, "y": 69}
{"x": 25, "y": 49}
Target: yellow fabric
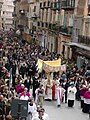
{"x": 54, "y": 63}
{"x": 49, "y": 66}
{"x": 40, "y": 64}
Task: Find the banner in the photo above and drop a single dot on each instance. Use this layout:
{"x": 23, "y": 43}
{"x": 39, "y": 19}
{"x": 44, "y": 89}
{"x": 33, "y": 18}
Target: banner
{"x": 52, "y": 66}
{"x": 49, "y": 66}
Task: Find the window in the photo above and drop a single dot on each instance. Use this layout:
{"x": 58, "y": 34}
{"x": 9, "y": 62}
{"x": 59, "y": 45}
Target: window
{"x": 86, "y": 28}
{"x": 65, "y": 20}
{"x": 44, "y": 4}
{"x": 40, "y": 5}
{"x": 48, "y": 3}
{"x": 88, "y": 7}
{"x": 2, "y": 24}
{"x": 48, "y": 44}
{"x": 77, "y": 32}
{"x": 3, "y": 12}
{"x": 34, "y": 9}
{"x": 63, "y": 50}
{"x": 51, "y": 47}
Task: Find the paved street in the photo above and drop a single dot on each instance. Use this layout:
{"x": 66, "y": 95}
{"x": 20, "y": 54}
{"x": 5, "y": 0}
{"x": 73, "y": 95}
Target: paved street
{"x": 64, "y": 113}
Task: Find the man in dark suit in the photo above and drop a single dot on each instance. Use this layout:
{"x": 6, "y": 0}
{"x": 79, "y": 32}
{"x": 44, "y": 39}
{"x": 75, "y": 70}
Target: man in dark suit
{"x": 27, "y": 82}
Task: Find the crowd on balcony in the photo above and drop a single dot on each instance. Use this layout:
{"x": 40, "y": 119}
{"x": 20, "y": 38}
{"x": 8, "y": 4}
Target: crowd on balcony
{"x": 19, "y": 74}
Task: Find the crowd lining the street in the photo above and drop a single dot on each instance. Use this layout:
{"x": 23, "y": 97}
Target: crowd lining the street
{"x": 19, "y": 79}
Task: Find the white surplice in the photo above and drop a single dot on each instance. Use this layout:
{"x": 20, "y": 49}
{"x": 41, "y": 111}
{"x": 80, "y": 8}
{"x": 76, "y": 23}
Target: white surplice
{"x": 60, "y": 94}
{"x": 31, "y": 110}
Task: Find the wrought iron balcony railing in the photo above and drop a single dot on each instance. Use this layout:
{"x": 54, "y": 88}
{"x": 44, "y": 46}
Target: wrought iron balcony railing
{"x": 68, "y": 4}
{"x": 84, "y": 40}
{"x": 55, "y": 27}
{"x": 66, "y": 30}
{"x": 55, "y": 5}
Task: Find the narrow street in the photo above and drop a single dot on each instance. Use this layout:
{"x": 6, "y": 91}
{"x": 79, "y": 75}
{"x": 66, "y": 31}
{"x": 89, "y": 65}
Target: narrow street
{"x": 63, "y": 112}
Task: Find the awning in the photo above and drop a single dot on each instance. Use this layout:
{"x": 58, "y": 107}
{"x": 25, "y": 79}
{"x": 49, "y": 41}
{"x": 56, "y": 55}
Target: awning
{"x": 82, "y": 46}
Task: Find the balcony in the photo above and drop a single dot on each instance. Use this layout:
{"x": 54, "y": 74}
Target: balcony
{"x": 68, "y": 4}
{"x": 66, "y": 30}
{"x": 48, "y": 5}
{"x": 55, "y": 27}
{"x": 84, "y": 40}
{"x": 55, "y": 6}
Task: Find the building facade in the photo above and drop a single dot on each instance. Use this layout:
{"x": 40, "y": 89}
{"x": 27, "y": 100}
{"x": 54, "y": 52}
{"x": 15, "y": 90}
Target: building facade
{"x": 58, "y": 25}
{"x": 7, "y": 10}
{"x": 81, "y": 35}
{"x": 1, "y": 3}
{"x": 20, "y": 14}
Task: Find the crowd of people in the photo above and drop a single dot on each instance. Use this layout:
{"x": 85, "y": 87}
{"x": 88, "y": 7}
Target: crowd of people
{"x": 19, "y": 79}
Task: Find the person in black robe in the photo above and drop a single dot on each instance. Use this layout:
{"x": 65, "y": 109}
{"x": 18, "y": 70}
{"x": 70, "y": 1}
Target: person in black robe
{"x": 66, "y": 85}
{"x": 23, "y": 70}
{"x": 13, "y": 66}
{"x": 36, "y": 84}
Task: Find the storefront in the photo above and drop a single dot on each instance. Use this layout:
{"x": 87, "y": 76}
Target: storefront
{"x": 80, "y": 53}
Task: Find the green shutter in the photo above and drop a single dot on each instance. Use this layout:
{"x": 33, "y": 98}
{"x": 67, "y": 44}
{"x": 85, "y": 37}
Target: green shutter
{"x": 86, "y": 28}
{"x": 65, "y": 20}
{"x": 59, "y": 18}
{"x": 54, "y": 18}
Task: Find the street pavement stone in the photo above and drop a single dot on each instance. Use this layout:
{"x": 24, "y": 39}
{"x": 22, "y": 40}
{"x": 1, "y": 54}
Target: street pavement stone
{"x": 64, "y": 112}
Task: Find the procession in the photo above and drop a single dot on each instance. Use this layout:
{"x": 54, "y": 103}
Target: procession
{"x": 27, "y": 73}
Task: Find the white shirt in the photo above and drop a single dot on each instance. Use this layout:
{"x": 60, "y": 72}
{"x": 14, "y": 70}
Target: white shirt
{"x": 36, "y": 118}
{"x": 45, "y": 116}
{"x": 87, "y": 101}
{"x": 32, "y": 108}
{"x": 24, "y": 97}
{"x": 71, "y": 93}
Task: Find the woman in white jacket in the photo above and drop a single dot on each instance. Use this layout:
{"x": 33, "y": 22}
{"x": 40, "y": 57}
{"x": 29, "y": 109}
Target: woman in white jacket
{"x": 71, "y": 95}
